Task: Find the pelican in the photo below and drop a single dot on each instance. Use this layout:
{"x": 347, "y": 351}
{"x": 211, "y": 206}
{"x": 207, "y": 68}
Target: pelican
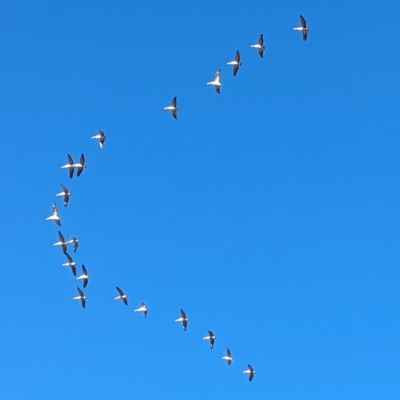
{"x": 142, "y": 309}
{"x": 71, "y": 263}
{"x": 61, "y": 242}
{"x": 173, "y": 108}
{"x": 211, "y": 337}
{"x": 236, "y": 63}
{"x": 228, "y": 356}
{"x": 70, "y": 166}
{"x": 84, "y": 276}
{"x": 250, "y": 371}
{"x": 216, "y": 82}
{"x": 183, "y": 319}
{"x": 101, "y": 136}
{"x": 81, "y": 165}
{"x": 73, "y": 241}
{"x": 80, "y": 297}
{"x": 122, "y": 296}
{"x": 303, "y": 28}
{"x": 54, "y": 217}
{"x": 260, "y": 45}
{"x": 64, "y": 193}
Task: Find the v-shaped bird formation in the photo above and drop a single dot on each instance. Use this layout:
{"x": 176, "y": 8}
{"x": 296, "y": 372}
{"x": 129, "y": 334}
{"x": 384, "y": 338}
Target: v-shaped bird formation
{"x": 81, "y": 165}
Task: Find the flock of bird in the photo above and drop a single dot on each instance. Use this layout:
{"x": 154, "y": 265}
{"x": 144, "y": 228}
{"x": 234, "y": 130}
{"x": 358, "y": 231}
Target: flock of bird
{"x": 80, "y": 166}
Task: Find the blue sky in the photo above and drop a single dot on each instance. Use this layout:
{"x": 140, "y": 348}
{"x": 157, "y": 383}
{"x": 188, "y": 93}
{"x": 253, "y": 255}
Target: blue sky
{"x": 270, "y": 212}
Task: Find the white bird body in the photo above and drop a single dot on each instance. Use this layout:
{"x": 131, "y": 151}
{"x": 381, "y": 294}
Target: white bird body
{"x": 250, "y": 371}
{"x": 54, "y": 216}
{"x": 142, "y": 309}
{"x": 101, "y": 136}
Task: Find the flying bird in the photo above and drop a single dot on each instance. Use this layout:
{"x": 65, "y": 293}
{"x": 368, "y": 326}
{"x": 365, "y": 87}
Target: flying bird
{"x": 101, "y": 136}
{"x": 54, "y": 217}
{"x": 73, "y": 240}
{"x": 71, "y": 263}
{"x": 216, "y": 82}
{"x": 173, "y": 108}
{"x": 122, "y": 296}
{"x": 250, "y": 371}
{"x": 61, "y": 242}
{"x": 228, "y": 356}
{"x": 80, "y": 297}
{"x": 84, "y": 276}
{"x": 211, "y": 337}
{"x": 303, "y": 28}
{"x": 236, "y": 63}
{"x": 260, "y": 46}
{"x": 64, "y": 193}
{"x": 70, "y": 165}
{"x": 142, "y": 309}
{"x": 183, "y": 319}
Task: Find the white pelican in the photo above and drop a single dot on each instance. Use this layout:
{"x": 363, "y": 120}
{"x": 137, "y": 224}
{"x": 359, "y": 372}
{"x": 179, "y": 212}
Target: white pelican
{"x": 250, "y": 371}
{"x": 71, "y": 263}
{"x": 80, "y": 297}
{"x": 73, "y": 241}
{"x": 54, "y": 217}
{"x": 101, "y": 136}
{"x": 84, "y": 276}
{"x": 260, "y": 45}
{"x": 65, "y": 193}
{"x": 183, "y": 319}
{"x": 236, "y": 63}
{"x": 303, "y": 28}
{"x": 70, "y": 166}
{"x": 211, "y": 337}
{"x": 122, "y": 296}
{"x": 228, "y": 356}
{"x": 61, "y": 242}
{"x": 216, "y": 82}
{"x": 173, "y": 108}
{"x": 142, "y": 309}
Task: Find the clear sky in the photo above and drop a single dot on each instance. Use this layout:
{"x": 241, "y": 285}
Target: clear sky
{"x": 270, "y": 212}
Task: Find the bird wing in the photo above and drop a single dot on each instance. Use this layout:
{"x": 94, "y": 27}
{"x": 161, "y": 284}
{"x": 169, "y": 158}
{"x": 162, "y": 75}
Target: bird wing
{"x": 69, "y": 258}
{"x": 174, "y": 102}
{"x": 121, "y": 293}
{"x": 237, "y": 56}
{"x": 235, "y": 69}
{"x": 183, "y": 314}
{"x": 250, "y": 367}
{"x": 261, "y": 40}
{"x": 142, "y": 304}
{"x": 64, "y": 188}
{"x": 174, "y": 114}
{"x": 303, "y": 22}
{"x": 305, "y": 33}
{"x": 218, "y": 89}
{"x": 84, "y": 270}
{"x": 73, "y": 269}
{"x": 70, "y": 160}
{"x": 55, "y": 209}
{"x": 80, "y": 292}
{"x": 83, "y": 301}
{"x": 210, "y": 333}
{"x": 228, "y": 352}
{"x": 60, "y": 235}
